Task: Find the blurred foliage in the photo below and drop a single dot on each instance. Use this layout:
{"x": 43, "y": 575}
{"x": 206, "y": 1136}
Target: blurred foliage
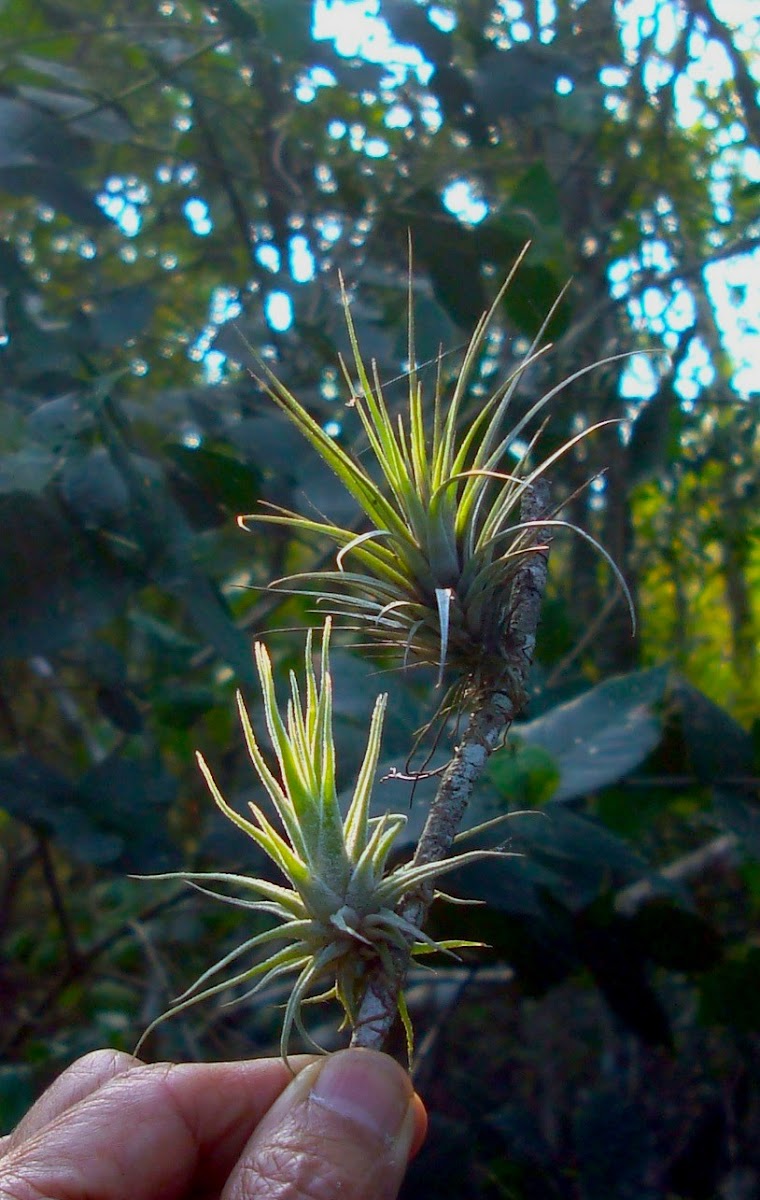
{"x": 171, "y": 171}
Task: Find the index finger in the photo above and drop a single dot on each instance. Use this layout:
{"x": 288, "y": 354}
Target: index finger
{"x": 157, "y": 1130}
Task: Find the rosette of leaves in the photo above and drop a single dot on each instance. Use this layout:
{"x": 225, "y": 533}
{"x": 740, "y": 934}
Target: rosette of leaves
{"x": 431, "y": 575}
{"x": 335, "y": 913}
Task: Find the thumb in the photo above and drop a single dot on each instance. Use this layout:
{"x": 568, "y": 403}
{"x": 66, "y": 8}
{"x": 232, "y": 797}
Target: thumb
{"x": 344, "y": 1127}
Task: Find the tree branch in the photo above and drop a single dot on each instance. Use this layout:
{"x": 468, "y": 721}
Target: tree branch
{"x": 486, "y": 728}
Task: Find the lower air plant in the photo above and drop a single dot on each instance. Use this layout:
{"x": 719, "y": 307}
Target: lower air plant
{"x": 432, "y": 573}
{"x": 335, "y": 914}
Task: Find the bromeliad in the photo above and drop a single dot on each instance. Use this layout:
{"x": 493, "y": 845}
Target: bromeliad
{"x": 335, "y": 913}
{"x": 432, "y": 574}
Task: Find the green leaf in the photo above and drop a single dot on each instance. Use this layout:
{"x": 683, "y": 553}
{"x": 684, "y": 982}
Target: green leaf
{"x": 121, "y": 315}
{"x": 106, "y": 124}
{"x": 584, "y": 857}
{"x": 525, "y": 776}
{"x": 128, "y": 800}
{"x": 514, "y": 82}
{"x": 33, "y": 793}
{"x": 287, "y": 28}
{"x": 56, "y": 586}
{"x": 181, "y": 706}
{"x": 448, "y": 250}
{"x": 226, "y": 479}
{"x": 601, "y": 735}
{"x": 238, "y": 20}
{"x": 164, "y": 641}
{"x": 211, "y": 617}
{"x": 621, "y": 976}
{"x": 117, "y": 705}
{"x": 537, "y": 288}
{"x": 656, "y": 435}
{"x": 55, "y": 188}
{"x": 199, "y": 510}
{"x": 94, "y": 490}
{"x": 29, "y": 136}
{"x": 410, "y": 25}
{"x": 28, "y": 470}
{"x": 730, "y": 995}
{"x": 674, "y": 937}
{"x": 536, "y": 192}
{"x": 53, "y": 69}
{"x": 57, "y": 422}
{"x": 719, "y": 749}
{"x": 518, "y": 926}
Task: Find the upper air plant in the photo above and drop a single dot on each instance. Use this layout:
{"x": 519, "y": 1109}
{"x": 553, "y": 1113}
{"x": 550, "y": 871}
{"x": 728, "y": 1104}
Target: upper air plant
{"x": 335, "y": 912}
{"x": 432, "y": 574}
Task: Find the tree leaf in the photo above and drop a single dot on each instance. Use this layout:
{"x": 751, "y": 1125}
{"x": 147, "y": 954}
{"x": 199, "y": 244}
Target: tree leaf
{"x": 28, "y": 470}
{"x": 582, "y": 855}
{"x": 673, "y": 937}
{"x": 227, "y": 480}
{"x": 730, "y": 994}
{"x": 410, "y": 25}
{"x": 107, "y": 124}
{"x": 35, "y": 794}
{"x": 211, "y": 617}
{"x": 511, "y": 83}
{"x": 31, "y": 137}
{"x": 94, "y": 489}
{"x": 123, "y": 314}
{"x": 119, "y": 708}
{"x": 287, "y": 28}
{"x": 240, "y": 23}
{"x": 53, "y": 69}
{"x": 55, "y": 188}
{"x": 128, "y": 799}
{"x": 719, "y": 749}
{"x": 601, "y": 735}
{"x": 55, "y": 585}
{"x": 621, "y": 976}
{"x": 59, "y": 421}
{"x": 524, "y": 775}
{"x": 537, "y": 192}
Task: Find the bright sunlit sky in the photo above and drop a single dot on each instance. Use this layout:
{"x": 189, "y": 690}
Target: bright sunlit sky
{"x": 355, "y": 30}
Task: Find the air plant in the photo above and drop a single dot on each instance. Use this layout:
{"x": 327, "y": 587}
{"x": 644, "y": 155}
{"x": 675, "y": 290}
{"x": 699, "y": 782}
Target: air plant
{"x": 432, "y": 574}
{"x": 449, "y": 572}
{"x": 336, "y": 913}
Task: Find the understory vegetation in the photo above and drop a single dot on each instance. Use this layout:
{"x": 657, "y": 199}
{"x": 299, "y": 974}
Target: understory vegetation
{"x": 190, "y": 196}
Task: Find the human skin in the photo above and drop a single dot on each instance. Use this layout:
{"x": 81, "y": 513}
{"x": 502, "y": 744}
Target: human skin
{"x": 113, "y": 1128}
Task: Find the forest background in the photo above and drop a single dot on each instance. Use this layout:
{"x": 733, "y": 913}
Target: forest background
{"x": 180, "y": 184}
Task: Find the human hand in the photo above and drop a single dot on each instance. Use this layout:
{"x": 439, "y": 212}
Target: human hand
{"x": 113, "y": 1128}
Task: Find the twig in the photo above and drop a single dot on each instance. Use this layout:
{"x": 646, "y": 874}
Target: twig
{"x": 147, "y": 81}
{"x": 59, "y": 907}
{"x": 721, "y": 853}
{"x": 80, "y": 969}
{"x": 161, "y": 977}
{"x": 485, "y": 731}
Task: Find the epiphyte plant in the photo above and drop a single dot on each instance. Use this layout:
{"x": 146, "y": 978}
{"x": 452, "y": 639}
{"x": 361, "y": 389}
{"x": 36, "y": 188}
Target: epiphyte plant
{"x": 432, "y": 576}
{"x": 336, "y": 913}
{"x": 450, "y": 572}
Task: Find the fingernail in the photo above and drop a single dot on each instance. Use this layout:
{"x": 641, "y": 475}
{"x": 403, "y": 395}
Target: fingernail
{"x": 365, "y": 1087}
